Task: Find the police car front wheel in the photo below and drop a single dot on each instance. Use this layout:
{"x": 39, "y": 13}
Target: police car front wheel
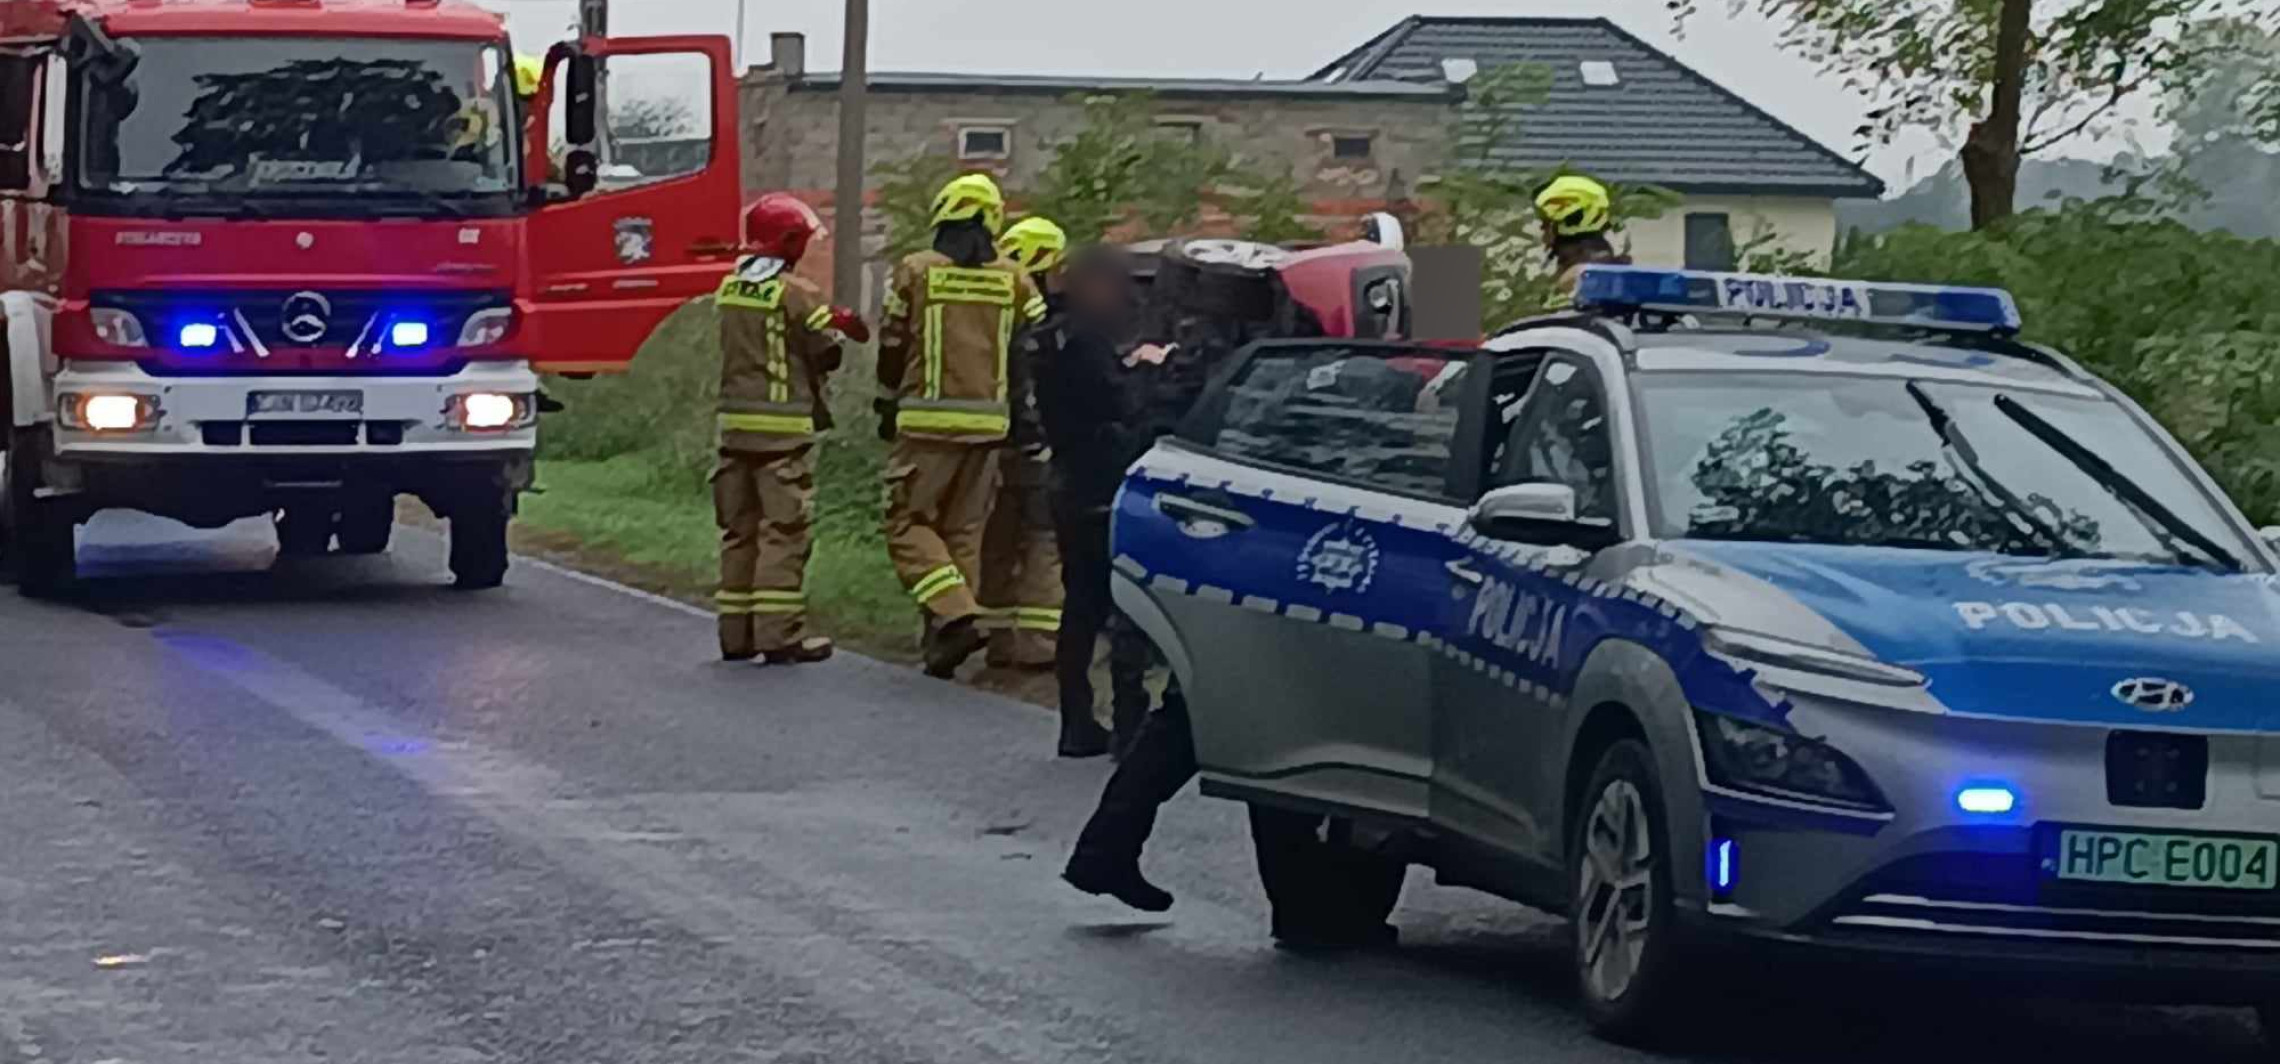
{"x": 1624, "y": 945}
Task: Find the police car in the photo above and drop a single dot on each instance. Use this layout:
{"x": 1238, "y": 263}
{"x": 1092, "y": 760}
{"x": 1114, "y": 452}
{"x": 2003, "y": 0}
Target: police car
{"x": 1732, "y": 607}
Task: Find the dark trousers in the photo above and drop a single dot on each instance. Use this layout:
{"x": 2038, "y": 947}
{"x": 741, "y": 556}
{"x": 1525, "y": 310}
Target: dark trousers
{"x": 1159, "y": 764}
{"x": 1318, "y": 883}
{"x": 1086, "y": 612}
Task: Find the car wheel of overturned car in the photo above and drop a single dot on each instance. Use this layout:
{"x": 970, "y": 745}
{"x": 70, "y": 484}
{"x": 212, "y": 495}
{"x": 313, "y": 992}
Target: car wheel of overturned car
{"x": 304, "y": 531}
{"x": 39, "y": 551}
{"x": 367, "y": 523}
{"x": 479, "y": 543}
{"x": 1625, "y": 949}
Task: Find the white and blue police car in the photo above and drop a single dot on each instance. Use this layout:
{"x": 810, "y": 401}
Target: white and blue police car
{"x": 1730, "y": 607}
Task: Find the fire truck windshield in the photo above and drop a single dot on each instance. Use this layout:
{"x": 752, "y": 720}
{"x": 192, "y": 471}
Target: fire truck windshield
{"x": 314, "y": 126}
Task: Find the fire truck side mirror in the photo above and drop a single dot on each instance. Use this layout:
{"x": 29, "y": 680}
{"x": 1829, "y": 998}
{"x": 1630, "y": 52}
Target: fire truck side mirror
{"x": 583, "y": 107}
{"x": 106, "y": 59}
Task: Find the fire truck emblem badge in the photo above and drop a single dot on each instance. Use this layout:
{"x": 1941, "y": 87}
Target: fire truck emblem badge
{"x": 305, "y": 241}
{"x": 1341, "y": 557}
{"x": 636, "y": 240}
{"x": 306, "y": 317}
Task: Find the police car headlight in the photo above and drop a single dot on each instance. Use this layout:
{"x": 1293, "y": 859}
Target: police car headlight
{"x": 1742, "y": 756}
{"x": 1805, "y": 657}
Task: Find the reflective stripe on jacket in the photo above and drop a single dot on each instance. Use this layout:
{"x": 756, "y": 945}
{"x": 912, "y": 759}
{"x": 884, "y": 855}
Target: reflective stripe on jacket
{"x": 945, "y": 351}
{"x": 776, "y": 351}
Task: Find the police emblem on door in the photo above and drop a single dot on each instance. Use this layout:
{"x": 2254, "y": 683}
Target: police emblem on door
{"x": 1341, "y": 558}
{"x": 636, "y": 240}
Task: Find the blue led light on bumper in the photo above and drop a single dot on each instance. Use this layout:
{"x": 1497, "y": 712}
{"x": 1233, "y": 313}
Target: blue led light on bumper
{"x": 408, "y": 334}
{"x": 199, "y": 335}
{"x": 1987, "y": 800}
{"x": 1633, "y": 288}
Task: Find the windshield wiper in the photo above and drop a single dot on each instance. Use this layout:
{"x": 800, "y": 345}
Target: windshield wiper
{"x": 1965, "y": 458}
{"x": 2159, "y": 517}
{"x": 434, "y": 200}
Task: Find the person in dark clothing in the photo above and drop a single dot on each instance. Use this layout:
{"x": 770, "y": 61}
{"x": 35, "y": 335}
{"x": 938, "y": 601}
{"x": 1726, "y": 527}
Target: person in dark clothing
{"x": 1092, "y": 425}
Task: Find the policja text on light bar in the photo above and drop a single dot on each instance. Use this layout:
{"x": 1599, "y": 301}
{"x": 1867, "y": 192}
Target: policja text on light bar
{"x": 1632, "y": 288}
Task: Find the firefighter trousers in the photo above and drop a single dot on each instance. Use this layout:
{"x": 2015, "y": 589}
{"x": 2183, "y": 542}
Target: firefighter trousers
{"x": 1021, "y": 569}
{"x": 938, "y": 505}
{"x": 764, "y": 502}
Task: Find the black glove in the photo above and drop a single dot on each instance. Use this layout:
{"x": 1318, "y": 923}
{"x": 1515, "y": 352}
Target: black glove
{"x": 887, "y": 409}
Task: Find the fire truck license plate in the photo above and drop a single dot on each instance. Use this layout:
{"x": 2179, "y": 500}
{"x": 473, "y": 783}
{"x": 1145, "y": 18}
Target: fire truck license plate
{"x": 305, "y": 404}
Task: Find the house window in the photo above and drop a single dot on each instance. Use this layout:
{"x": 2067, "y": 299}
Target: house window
{"x": 1352, "y": 145}
{"x": 1709, "y": 242}
{"x": 1599, "y": 73}
{"x": 985, "y": 142}
{"x": 1181, "y": 130}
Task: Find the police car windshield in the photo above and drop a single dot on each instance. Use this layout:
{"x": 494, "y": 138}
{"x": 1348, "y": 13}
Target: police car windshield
{"x": 1861, "y": 460}
{"x": 350, "y": 126}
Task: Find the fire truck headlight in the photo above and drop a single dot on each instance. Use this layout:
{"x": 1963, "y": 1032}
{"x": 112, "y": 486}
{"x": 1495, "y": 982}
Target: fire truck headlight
{"x": 487, "y": 327}
{"x": 118, "y": 328}
{"x": 491, "y": 411}
{"x": 107, "y": 413}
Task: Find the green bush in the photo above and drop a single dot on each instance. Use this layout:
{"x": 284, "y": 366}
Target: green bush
{"x": 2188, "y": 323}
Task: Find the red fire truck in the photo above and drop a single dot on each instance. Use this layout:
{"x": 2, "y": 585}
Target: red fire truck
{"x": 300, "y": 257}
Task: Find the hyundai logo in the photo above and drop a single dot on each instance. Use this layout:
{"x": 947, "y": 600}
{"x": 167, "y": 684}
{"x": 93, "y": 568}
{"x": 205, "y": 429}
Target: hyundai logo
{"x": 307, "y": 317}
{"x": 2154, "y": 695}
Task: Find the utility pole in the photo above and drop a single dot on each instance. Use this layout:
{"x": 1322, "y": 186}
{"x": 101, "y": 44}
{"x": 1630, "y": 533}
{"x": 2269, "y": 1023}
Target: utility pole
{"x": 594, "y": 21}
{"x": 847, "y": 198}
{"x": 736, "y": 54}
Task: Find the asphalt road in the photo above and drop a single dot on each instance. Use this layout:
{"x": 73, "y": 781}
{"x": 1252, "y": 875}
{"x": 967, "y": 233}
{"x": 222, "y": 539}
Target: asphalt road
{"x": 331, "y": 811}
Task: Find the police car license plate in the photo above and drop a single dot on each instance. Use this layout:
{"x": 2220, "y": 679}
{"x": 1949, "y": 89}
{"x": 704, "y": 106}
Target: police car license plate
{"x": 305, "y": 404}
{"x": 2165, "y": 859}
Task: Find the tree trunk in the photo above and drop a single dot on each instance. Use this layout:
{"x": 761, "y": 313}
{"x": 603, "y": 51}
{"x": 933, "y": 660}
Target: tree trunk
{"x": 1991, "y": 152}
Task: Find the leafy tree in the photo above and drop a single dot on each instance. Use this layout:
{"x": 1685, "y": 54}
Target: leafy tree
{"x": 651, "y": 118}
{"x": 1478, "y": 200}
{"x": 2018, "y": 75}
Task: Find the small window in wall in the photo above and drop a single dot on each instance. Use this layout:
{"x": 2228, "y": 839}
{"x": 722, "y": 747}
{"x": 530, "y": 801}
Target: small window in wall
{"x": 1352, "y": 145}
{"x": 1709, "y": 242}
{"x": 985, "y": 142}
{"x": 1599, "y": 73}
{"x": 1181, "y": 130}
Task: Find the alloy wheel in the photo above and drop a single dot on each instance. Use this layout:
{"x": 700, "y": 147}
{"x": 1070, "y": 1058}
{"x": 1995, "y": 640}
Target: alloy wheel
{"x": 1617, "y": 892}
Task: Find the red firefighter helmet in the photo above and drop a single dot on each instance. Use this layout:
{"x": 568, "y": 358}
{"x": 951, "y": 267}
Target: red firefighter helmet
{"x": 779, "y": 225}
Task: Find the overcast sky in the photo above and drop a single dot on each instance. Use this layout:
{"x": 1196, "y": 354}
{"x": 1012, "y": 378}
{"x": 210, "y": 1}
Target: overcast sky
{"x": 1238, "y": 38}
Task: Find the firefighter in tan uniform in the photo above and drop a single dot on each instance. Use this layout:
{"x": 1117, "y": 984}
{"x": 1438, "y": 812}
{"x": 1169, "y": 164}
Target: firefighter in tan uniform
{"x": 1021, "y": 560}
{"x": 779, "y": 343}
{"x": 946, "y": 381}
{"x": 1576, "y": 213}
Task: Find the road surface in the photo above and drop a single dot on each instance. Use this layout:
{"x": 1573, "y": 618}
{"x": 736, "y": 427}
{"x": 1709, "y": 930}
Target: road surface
{"x": 333, "y": 812}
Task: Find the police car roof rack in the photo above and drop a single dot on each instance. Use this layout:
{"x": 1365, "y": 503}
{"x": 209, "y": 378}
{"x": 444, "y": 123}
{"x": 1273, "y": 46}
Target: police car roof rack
{"x": 1651, "y": 294}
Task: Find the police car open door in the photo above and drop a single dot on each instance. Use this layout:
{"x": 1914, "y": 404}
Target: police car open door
{"x": 1293, "y": 545}
{"x": 637, "y": 220}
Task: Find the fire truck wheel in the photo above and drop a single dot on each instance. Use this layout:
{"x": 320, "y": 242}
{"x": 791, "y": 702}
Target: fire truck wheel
{"x": 367, "y": 522}
{"x": 304, "y": 531}
{"x": 479, "y": 545}
{"x": 40, "y": 554}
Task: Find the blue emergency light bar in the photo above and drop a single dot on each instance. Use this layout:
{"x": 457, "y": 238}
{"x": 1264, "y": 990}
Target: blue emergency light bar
{"x": 1922, "y": 306}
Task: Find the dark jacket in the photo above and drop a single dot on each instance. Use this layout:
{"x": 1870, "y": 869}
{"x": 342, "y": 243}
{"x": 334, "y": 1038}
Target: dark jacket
{"x": 1086, "y": 398}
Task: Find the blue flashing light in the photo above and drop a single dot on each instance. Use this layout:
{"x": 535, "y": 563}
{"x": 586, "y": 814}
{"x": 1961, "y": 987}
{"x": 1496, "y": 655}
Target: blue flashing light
{"x": 408, "y": 334}
{"x": 199, "y": 335}
{"x": 1951, "y": 309}
{"x": 1721, "y": 865}
{"x": 1987, "y": 800}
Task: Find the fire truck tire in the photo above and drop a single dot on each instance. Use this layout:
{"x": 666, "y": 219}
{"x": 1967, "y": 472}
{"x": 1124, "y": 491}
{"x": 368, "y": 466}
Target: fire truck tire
{"x": 479, "y": 545}
{"x": 40, "y": 553}
{"x": 367, "y": 523}
{"x": 304, "y": 531}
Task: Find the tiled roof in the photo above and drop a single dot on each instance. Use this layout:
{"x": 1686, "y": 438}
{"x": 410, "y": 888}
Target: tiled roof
{"x": 1661, "y": 122}
{"x": 1167, "y": 87}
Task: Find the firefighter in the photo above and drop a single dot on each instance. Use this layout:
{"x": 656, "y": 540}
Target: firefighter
{"x": 946, "y": 375}
{"x": 1021, "y": 563}
{"x": 779, "y": 343}
{"x": 1576, "y": 213}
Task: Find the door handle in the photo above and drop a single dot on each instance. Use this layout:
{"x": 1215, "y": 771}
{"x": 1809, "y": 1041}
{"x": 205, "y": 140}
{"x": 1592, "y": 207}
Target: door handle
{"x": 1184, "y": 510}
{"x": 710, "y": 247}
{"x": 1463, "y": 570}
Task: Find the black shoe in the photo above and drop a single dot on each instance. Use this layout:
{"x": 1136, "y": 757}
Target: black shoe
{"x": 952, "y": 645}
{"x": 1125, "y": 884}
{"x": 739, "y": 657}
{"x": 1083, "y": 738}
{"x": 1338, "y": 939}
{"x": 805, "y": 652}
